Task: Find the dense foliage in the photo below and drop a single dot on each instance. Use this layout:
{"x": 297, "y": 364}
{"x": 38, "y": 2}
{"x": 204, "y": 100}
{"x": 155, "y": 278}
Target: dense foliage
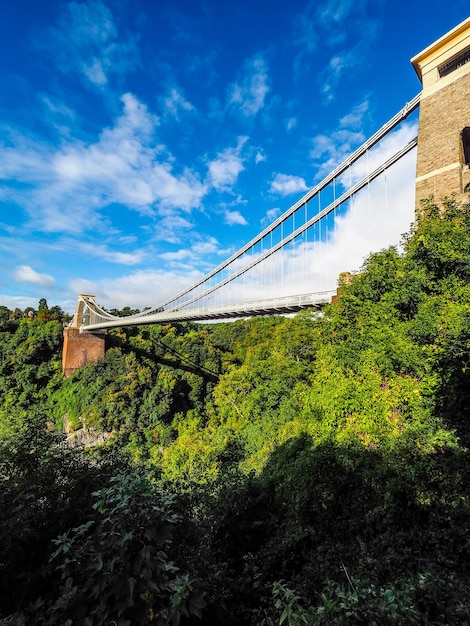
{"x": 304, "y": 470}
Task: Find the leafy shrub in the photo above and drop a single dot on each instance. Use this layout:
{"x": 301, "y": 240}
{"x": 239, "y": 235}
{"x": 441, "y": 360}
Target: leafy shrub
{"x": 116, "y": 567}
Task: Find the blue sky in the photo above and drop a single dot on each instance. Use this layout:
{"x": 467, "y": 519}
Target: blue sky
{"x": 142, "y": 142}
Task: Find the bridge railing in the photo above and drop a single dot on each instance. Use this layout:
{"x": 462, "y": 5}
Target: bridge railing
{"x": 283, "y": 305}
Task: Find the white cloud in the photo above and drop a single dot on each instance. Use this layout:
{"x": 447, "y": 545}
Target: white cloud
{"x": 26, "y": 274}
{"x": 175, "y": 102}
{"x": 291, "y": 124}
{"x": 343, "y": 26}
{"x": 179, "y": 255}
{"x": 95, "y": 72}
{"x": 175, "y": 192}
{"x": 334, "y": 12}
{"x": 56, "y": 113}
{"x": 119, "y": 151}
{"x": 259, "y": 157}
{"x": 24, "y": 159}
{"x": 144, "y": 288}
{"x": 207, "y": 246}
{"x": 329, "y": 78}
{"x": 305, "y": 35}
{"x": 64, "y": 189}
{"x": 285, "y": 184}
{"x": 376, "y": 218}
{"x": 329, "y": 150}
{"x": 271, "y": 215}
{"x": 380, "y": 153}
{"x": 113, "y": 256}
{"x": 248, "y": 94}
{"x": 225, "y": 168}
{"x": 172, "y": 229}
{"x": 234, "y": 217}
{"x": 86, "y": 40}
{"x": 355, "y": 118}
{"x": 18, "y": 302}
{"x": 198, "y": 254}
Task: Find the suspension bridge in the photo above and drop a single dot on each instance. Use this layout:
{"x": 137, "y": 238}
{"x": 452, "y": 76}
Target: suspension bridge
{"x": 363, "y": 205}
{"x": 294, "y": 263}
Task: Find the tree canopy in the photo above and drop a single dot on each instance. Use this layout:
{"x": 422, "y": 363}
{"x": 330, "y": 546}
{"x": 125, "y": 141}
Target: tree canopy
{"x": 300, "y": 470}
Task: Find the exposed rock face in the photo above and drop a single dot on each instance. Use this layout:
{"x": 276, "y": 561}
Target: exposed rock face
{"x": 86, "y": 438}
{"x": 83, "y": 437}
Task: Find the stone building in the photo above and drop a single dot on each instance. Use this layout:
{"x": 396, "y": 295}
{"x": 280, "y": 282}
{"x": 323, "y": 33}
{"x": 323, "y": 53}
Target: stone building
{"x": 444, "y": 121}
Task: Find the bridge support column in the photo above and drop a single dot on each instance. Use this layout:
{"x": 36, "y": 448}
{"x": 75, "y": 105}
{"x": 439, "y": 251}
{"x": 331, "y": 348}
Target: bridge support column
{"x": 80, "y": 348}
{"x": 443, "y": 163}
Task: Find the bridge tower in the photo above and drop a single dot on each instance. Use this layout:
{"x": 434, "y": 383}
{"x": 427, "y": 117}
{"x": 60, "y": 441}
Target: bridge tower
{"x": 444, "y": 120}
{"x": 80, "y": 348}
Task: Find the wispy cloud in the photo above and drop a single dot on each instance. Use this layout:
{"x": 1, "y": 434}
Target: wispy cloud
{"x": 285, "y": 184}
{"x": 330, "y": 77}
{"x": 177, "y": 255}
{"x": 20, "y": 302}
{"x": 56, "y": 113}
{"x": 259, "y": 157}
{"x": 175, "y": 103}
{"x": 373, "y": 219}
{"x": 63, "y": 189}
{"x": 143, "y": 288}
{"x": 172, "y": 228}
{"x": 209, "y": 245}
{"x": 328, "y": 150}
{"x": 385, "y": 149}
{"x": 26, "y": 274}
{"x": 225, "y": 168}
{"x": 201, "y": 253}
{"x": 112, "y": 256}
{"x": 356, "y": 117}
{"x": 87, "y": 41}
{"x": 234, "y": 217}
{"x": 291, "y": 123}
{"x": 271, "y": 215}
{"x": 341, "y": 26}
{"x": 248, "y": 94}
{"x": 305, "y": 35}
{"x": 333, "y": 12}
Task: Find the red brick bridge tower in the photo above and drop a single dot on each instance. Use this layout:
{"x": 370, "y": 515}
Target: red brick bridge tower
{"x": 80, "y": 347}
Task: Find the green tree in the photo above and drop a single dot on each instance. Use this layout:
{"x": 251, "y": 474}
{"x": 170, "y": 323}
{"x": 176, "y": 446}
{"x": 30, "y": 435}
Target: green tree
{"x": 116, "y": 567}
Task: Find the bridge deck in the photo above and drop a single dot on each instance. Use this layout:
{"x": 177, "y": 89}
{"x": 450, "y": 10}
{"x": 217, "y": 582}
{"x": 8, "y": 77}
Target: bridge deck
{"x": 287, "y": 304}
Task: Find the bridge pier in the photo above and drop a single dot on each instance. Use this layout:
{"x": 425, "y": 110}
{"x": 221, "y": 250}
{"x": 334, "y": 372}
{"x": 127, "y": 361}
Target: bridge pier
{"x": 81, "y": 348}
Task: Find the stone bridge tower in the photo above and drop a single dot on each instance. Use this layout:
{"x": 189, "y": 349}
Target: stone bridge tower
{"x": 444, "y": 120}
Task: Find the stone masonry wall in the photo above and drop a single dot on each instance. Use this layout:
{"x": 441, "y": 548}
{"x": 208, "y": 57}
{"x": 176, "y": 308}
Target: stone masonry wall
{"x": 443, "y": 115}
{"x": 80, "y": 348}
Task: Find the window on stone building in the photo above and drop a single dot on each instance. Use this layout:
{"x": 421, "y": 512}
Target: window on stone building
{"x": 466, "y": 145}
{"x": 455, "y": 62}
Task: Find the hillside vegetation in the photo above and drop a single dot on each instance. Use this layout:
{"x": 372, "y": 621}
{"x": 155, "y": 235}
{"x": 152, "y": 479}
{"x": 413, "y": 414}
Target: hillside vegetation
{"x": 305, "y": 470}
